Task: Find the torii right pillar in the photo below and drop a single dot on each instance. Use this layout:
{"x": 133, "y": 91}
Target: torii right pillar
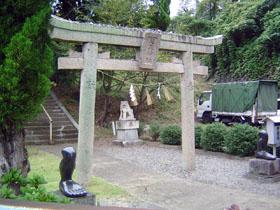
{"x": 187, "y": 112}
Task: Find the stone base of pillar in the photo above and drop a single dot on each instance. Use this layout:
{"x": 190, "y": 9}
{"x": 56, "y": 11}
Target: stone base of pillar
{"x": 264, "y": 167}
{"x": 128, "y": 143}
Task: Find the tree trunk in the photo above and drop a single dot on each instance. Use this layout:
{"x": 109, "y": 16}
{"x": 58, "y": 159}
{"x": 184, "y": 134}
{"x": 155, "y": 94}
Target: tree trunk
{"x": 13, "y": 153}
{"x": 141, "y": 97}
{"x": 103, "y": 117}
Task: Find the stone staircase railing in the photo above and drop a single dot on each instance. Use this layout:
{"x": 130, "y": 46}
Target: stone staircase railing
{"x": 50, "y": 121}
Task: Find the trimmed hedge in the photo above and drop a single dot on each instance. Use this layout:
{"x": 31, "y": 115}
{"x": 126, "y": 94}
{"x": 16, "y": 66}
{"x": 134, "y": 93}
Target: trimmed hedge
{"x": 154, "y": 131}
{"x": 212, "y": 137}
{"x": 198, "y": 132}
{"x": 171, "y": 135}
{"x": 241, "y": 140}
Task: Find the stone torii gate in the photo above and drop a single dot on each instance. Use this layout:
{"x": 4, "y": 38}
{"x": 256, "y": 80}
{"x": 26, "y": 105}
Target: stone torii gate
{"x": 148, "y": 44}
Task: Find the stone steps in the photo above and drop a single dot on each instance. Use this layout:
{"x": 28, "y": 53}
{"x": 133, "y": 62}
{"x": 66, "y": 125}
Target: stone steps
{"x": 38, "y": 141}
{"x": 63, "y": 131}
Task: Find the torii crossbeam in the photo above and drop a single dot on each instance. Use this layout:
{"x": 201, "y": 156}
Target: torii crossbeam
{"x": 148, "y": 43}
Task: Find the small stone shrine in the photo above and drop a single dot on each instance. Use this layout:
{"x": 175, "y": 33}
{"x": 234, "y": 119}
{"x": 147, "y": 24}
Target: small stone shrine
{"x": 127, "y": 126}
{"x": 264, "y": 163}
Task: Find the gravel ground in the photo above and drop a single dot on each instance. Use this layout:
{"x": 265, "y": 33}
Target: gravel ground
{"x": 211, "y": 168}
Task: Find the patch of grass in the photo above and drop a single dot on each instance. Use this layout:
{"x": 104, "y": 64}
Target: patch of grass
{"x": 104, "y": 189}
{"x": 47, "y": 165}
{"x": 101, "y": 132}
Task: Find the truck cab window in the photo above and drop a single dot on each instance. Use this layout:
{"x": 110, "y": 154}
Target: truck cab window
{"x": 204, "y": 97}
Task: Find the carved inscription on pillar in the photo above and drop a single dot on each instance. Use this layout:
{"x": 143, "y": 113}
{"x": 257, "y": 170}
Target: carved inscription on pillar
{"x": 149, "y": 50}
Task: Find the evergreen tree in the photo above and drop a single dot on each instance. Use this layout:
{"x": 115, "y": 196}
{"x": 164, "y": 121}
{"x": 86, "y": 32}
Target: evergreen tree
{"x": 186, "y": 23}
{"x": 79, "y": 10}
{"x": 158, "y": 15}
{"x": 209, "y": 9}
{"x": 26, "y": 67}
{"x": 119, "y": 12}
{"x": 12, "y": 16}
{"x": 67, "y": 9}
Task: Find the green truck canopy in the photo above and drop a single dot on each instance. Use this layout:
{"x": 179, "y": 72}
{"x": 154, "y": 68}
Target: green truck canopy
{"x": 238, "y": 97}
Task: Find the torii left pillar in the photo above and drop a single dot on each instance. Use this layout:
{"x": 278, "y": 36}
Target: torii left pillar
{"x": 187, "y": 112}
{"x": 86, "y": 113}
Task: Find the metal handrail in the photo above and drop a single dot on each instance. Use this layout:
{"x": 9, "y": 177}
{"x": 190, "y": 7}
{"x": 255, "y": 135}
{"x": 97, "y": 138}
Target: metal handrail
{"x": 50, "y": 121}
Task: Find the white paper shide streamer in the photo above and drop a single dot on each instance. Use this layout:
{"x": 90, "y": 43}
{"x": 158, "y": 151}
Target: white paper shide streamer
{"x": 158, "y": 91}
{"x": 132, "y": 96}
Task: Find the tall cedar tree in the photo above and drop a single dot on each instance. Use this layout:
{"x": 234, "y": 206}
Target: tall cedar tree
{"x": 13, "y": 14}
{"x": 77, "y": 10}
{"x": 164, "y": 14}
{"x": 24, "y": 83}
{"x": 157, "y": 16}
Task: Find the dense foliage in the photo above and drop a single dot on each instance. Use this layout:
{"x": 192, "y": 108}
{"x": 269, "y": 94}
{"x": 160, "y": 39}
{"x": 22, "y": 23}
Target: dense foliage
{"x": 251, "y": 29}
{"x": 212, "y": 137}
{"x": 185, "y": 23}
{"x": 12, "y": 16}
{"x": 241, "y": 140}
{"x": 249, "y": 50}
{"x": 157, "y": 15}
{"x": 171, "y": 134}
{"x": 119, "y": 12}
{"x": 197, "y": 134}
{"x": 24, "y": 74}
{"x": 154, "y": 130}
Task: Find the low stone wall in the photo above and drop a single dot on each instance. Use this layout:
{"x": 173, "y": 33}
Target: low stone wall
{"x": 7, "y": 203}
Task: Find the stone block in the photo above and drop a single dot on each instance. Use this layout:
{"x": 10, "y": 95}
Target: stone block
{"x": 127, "y": 124}
{"x": 89, "y": 199}
{"x": 149, "y": 50}
{"x": 127, "y": 135}
{"x": 264, "y": 167}
{"x": 128, "y": 143}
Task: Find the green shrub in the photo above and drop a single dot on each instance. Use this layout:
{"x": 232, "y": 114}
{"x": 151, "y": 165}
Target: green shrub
{"x": 6, "y": 192}
{"x": 36, "y": 180}
{"x": 241, "y": 140}
{"x": 212, "y": 137}
{"x": 13, "y": 177}
{"x": 198, "y": 132}
{"x": 171, "y": 135}
{"x": 154, "y": 130}
{"x": 16, "y": 186}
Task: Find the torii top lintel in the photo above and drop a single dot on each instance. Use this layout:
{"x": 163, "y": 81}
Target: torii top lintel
{"x": 105, "y": 34}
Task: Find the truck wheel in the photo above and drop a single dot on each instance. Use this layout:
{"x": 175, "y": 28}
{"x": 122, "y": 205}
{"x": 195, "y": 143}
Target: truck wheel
{"x": 207, "y": 117}
{"x": 237, "y": 120}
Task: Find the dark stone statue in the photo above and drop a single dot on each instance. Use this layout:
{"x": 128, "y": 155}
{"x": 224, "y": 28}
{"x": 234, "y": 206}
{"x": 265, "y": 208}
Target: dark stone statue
{"x": 67, "y": 186}
{"x": 261, "y": 146}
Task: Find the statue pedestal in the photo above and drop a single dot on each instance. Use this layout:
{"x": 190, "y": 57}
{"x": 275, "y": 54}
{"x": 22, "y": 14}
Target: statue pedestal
{"x": 264, "y": 167}
{"x": 127, "y": 133}
{"x": 89, "y": 199}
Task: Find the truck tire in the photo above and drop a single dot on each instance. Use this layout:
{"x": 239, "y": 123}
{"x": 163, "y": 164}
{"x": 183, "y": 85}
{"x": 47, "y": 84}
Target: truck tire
{"x": 207, "y": 117}
{"x": 237, "y": 120}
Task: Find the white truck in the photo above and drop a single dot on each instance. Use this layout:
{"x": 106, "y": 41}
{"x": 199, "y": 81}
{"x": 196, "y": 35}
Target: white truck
{"x": 249, "y": 101}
